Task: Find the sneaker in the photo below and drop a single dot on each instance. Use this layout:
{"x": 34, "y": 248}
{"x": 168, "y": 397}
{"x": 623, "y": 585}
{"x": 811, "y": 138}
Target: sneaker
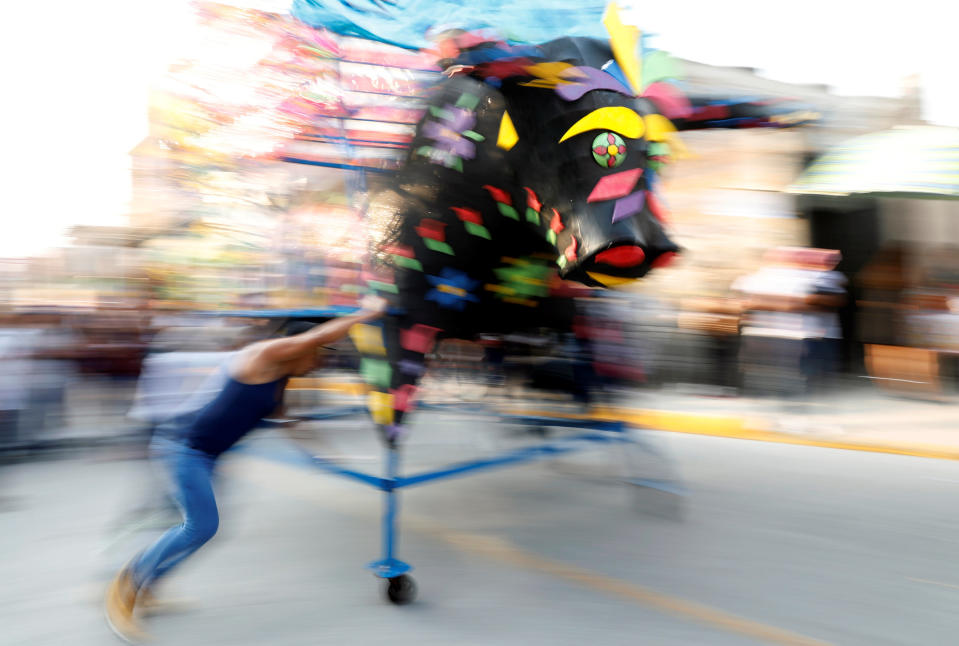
{"x": 119, "y": 606}
{"x": 148, "y": 604}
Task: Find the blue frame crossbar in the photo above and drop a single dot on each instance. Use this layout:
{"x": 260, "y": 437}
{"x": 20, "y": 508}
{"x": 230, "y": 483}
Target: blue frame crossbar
{"x": 593, "y": 432}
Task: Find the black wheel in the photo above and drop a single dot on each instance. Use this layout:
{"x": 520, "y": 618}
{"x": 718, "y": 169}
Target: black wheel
{"x": 401, "y": 589}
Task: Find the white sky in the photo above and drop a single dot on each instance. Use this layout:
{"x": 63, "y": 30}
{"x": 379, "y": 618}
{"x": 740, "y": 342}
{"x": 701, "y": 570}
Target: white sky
{"x": 77, "y": 72}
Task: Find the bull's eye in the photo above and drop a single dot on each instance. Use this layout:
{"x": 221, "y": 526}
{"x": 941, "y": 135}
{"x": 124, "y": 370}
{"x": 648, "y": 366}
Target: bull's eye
{"x": 609, "y": 150}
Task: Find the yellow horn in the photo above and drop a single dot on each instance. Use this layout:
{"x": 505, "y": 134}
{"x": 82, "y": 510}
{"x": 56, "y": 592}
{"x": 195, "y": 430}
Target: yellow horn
{"x": 624, "y": 41}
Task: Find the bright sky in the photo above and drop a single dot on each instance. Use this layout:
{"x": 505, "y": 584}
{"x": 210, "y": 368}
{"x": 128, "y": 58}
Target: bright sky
{"x": 77, "y": 73}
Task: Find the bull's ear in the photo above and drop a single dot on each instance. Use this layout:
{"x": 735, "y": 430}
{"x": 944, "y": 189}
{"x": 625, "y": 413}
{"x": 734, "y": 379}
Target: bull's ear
{"x": 463, "y": 134}
{"x": 729, "y": 112}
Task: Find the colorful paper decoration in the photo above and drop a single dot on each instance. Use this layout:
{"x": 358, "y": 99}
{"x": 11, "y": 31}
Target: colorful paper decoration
{"x": 525, "y": 279}
{"x": 507, "y": 136}
{"x": 658, "y": 127}
{"x": 407, "y": 262}
{"x": 547, "y": 75}
{"x": 611, "y": 187}
{"x": 403, "y": 397}
{"x": 467, "y": 101}
{"x": 669, "y": 100}
{"x": 620, "y": 119}
{"x": 609, "y": 150}
{"x": 412, "y": 368}
{"x": 585, "y": 79}
{"x": 472, "y": 221}
{"x": 418, "y": 338}
{"x": 380, "y": 405}
{"x": 532, "y": 201}
{"x": 368, "y": 339}
{"x": 452, "y": 289}
{"x": 658, "y": 66}
{"x": 434, "y": 235}
{"x": 499, "y": 194}
{"x": 656, "y": 208}
{"x": 376, "y": 372}
{"x": 556, "y": 223}
{"x": 629, "y": 206}
{"x": 504, "y": 202}
{"x": 624, "y": 40}
{"x": 382, "y": 286}
{"x": 533, "y": 206}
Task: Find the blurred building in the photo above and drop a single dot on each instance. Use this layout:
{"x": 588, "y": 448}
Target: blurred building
{"x": 728, "y": 206}
{"x": 210, "y": 229}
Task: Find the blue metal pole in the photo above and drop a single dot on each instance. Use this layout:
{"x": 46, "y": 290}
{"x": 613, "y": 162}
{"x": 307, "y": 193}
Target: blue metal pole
{"x": 389, "y": 516}
{"x": 389, "y": 566}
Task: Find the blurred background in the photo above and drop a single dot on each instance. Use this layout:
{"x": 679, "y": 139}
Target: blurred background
{"x": 172, "y": 162}
{"x": 185, "y": 158}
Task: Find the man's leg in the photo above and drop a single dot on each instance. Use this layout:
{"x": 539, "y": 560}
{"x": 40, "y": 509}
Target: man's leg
{"x": 192, "y": 473}
{"x": 192, "y": 476}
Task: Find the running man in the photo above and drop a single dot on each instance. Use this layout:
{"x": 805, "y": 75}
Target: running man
{"x": 256, "y": 379}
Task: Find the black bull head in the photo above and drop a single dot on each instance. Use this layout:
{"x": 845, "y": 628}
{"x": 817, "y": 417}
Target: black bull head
{"x": 521, "y": 173}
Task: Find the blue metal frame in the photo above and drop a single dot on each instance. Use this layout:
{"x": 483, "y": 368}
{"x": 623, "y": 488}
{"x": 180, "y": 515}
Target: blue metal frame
{"x": 594, "y": 432}
{"x": 598, "y": 432}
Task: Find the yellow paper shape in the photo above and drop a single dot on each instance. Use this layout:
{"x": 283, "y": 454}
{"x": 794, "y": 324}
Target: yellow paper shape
{"x": 620, "y": 119}
{"x": 368, "y": 339}
{"x": 381, "y": 407}
{"x": 609, "y": 281}
{"x": 507, "y": 133}
{"x": 548, "y": 74}
{"x": 659, "y": 128}
{"x": 624, "y": 41}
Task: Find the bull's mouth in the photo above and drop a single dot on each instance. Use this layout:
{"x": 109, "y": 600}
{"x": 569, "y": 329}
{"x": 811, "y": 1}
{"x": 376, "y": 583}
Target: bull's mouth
{"x": 619, "y": 264}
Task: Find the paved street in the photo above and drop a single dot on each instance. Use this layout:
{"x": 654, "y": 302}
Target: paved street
{"x": 775, "y": 544}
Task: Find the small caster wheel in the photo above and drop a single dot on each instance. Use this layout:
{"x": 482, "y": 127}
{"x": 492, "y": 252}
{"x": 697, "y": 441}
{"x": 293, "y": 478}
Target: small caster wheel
{"x": 401, "y": 589}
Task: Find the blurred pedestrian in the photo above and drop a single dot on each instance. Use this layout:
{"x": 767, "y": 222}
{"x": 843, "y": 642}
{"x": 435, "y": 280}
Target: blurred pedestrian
{"x": 825, "y": 294}
{"x": 253, "y": 389}
{"x": 791, "y": 326}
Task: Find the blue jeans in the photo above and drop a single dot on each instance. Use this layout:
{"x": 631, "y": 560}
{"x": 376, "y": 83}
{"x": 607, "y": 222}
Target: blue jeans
{"x": 191, "y": 472}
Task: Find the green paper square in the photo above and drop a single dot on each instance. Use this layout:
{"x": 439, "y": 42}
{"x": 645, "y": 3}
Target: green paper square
{"x": 477, "y": 230}
{"x": 532, "y": 215}
{"x": 551, "y": 236}
{"x": 475, "y": 136}
{"x": 408, "y": 263}
{"x": 562, "y": 262}
{"x": 507, "y": 210}
{"x": 658, "y": 148}
{"x": 467, "y": 101}
{"x": 440, "y": 113}
{"x": 436, "y": 245}
{"x": 376, "y": 372}
{"x": 383, "y": 287}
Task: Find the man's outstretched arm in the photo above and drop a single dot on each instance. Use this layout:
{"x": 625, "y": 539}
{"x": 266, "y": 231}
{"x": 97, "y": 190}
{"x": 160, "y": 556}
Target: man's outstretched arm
{"x": 280, "y": 350}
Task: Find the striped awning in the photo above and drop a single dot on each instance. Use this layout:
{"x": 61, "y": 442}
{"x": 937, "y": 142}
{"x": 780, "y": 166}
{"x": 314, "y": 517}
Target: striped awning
{"x": 907, "y": 161}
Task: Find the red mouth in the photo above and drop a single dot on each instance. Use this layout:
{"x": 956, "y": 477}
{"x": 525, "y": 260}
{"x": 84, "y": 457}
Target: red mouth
{"x": 623, "y": 256}
{"x": 664, "y": 260}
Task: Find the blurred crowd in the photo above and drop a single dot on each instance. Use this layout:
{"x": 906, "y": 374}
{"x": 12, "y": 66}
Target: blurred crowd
{"x": 792, "y": 329}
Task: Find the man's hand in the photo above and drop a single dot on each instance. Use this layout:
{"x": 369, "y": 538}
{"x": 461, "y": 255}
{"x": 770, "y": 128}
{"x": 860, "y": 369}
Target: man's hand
{"x": 372, "y": 307}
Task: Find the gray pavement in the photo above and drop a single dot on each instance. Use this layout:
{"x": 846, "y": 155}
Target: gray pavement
{"x": 776, "y": 544}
